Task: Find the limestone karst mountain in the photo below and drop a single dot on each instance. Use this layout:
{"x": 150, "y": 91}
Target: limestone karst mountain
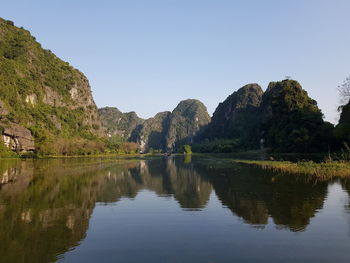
{"x": 118, "y": 123}
{"x": 283, "y": 118}
{"x": 151, "y": 135}
{"x": 164, "y": 131}
{"x": 186, "y": 121}
{"x": 46, "y": 106}
{"x": 237, "y": 117}
{"x": 42, "y": 98}
{"x": 291, "y": 120}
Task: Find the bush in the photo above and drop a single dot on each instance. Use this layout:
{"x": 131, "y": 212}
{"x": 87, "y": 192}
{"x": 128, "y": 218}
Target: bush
{"x": 6, "y": 152}
{"x": 130, "y": 147}
{"x": 73, "y": 146}
{"x": 187, "y": 149}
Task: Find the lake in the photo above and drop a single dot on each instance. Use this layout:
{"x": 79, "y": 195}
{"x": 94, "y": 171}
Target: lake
{"x": 179, "y": 209}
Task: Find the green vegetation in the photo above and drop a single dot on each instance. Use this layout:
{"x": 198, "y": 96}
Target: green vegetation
{"x": 283, "y": 119}
{"x": 187, "y": 149}
{"x": 186, "y": 122}
{"x": 118, "y": 123}
{"x": 323, "y": 170}
{"x": 166, "y": 131}
{"x": 118, "y": 145}
{"x": 342, "y": 130}
{"x": 5, "y": 152}
{"x": 45, "y": 97}
{"x": 293, "y": 121}
{"x": 237, "y": 119}
{"x": 36, "y": 91}
{"x": 218, "y": 146}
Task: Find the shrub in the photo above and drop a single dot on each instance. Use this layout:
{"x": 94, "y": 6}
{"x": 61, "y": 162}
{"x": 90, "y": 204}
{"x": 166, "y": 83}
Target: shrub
{"x": 187, "y": 149}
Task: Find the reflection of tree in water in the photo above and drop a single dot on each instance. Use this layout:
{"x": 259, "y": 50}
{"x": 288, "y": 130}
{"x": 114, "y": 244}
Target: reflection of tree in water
{"x": 296, "y": 200}
{"x": 345, "y": 184}
{"x": 254, "y": 194}
{"x": 45, "y": 207}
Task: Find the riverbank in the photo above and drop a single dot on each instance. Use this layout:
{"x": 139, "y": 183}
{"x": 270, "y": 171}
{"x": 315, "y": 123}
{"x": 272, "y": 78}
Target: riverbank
{"x": 324, "y": 170}
{"x": 114, "y": 155}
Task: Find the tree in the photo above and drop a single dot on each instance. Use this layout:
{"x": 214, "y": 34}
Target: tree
{"x": 344, "y": 91}
{"x": 342, "y": 131}
{"x": 187, "y": 149}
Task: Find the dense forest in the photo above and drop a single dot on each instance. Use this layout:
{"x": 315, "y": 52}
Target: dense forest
{"x": 47, "y": 108}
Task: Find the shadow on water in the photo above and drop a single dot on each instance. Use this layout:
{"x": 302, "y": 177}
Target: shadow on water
{"x": 46, "y": 205}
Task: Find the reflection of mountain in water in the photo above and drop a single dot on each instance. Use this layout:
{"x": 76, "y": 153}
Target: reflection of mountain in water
{"x": 164, "y": 177}
{"x": 45, "y": 206}
{"x": 255, "y": 195}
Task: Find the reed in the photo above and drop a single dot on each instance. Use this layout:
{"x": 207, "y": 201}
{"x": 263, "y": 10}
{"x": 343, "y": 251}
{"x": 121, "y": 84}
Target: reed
{"x": 324, "y": 170}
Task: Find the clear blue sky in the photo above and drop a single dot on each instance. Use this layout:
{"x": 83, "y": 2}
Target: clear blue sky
{"x": 146, "y": 56}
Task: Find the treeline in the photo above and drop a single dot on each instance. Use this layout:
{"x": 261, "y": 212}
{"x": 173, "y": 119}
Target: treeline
{"x": 79, "y": 146}
{"x": 75, "y": 147}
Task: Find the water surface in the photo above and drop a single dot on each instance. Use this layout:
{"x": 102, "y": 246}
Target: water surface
{"x": 168, "y": 210}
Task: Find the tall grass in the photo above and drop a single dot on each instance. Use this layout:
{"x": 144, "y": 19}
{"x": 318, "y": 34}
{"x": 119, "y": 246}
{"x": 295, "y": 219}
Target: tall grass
{"x": 324, "y": 170}
{"x": 342, "y": 155}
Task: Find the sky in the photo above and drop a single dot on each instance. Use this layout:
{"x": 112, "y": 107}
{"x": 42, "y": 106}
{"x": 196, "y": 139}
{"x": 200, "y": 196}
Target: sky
{"x": 147, "y": 56}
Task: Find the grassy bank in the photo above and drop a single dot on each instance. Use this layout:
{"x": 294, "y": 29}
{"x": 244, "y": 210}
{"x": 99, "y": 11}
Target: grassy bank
{"x": 13, "y": 155}
{"x": 321, "y": 170}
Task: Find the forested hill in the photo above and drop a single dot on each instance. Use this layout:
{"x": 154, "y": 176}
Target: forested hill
{"x": 45, "y": 104}
{"x": 281, "y": 119}
{"x": 166, "y": 131}
{"x": 118, "y": 123}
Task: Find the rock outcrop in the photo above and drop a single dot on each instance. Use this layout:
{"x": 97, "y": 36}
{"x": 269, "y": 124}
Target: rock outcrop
{"x": 151, "y": 135}
{"x": 18, "y": 138}
{"x": 118, "y": 123}
{"x": 166, "y": 131}
{"x": 291, "y": 120}
{"x": 283, "y": 118}
{"x": 237, "y": 117}
{"x": 186, "y": 121}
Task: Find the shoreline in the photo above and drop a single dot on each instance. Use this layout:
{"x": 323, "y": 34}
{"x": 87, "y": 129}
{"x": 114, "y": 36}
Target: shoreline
{"x": 326, "y": 169}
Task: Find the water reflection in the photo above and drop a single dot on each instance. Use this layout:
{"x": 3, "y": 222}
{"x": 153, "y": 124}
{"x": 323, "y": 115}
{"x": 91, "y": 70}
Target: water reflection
{"x": 255, "y": 195}
{"x": 45, "y": 205}
{"x": 164, "y": 177}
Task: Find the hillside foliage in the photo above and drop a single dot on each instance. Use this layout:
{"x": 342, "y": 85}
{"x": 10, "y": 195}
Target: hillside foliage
{"x": 36, "y": 90}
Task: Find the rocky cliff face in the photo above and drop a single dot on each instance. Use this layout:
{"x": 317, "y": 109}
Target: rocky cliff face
{"x": 165, "y": 131}
{"x": 118, "y": 123}
{"x": 152, "y": 133}
{"x": 42, "y": 98}
{"x": 237, "y": 117}
{"x": 283, "y": 118}
{"x": 186, "y": 121}
{"x": 18, "y": 138}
